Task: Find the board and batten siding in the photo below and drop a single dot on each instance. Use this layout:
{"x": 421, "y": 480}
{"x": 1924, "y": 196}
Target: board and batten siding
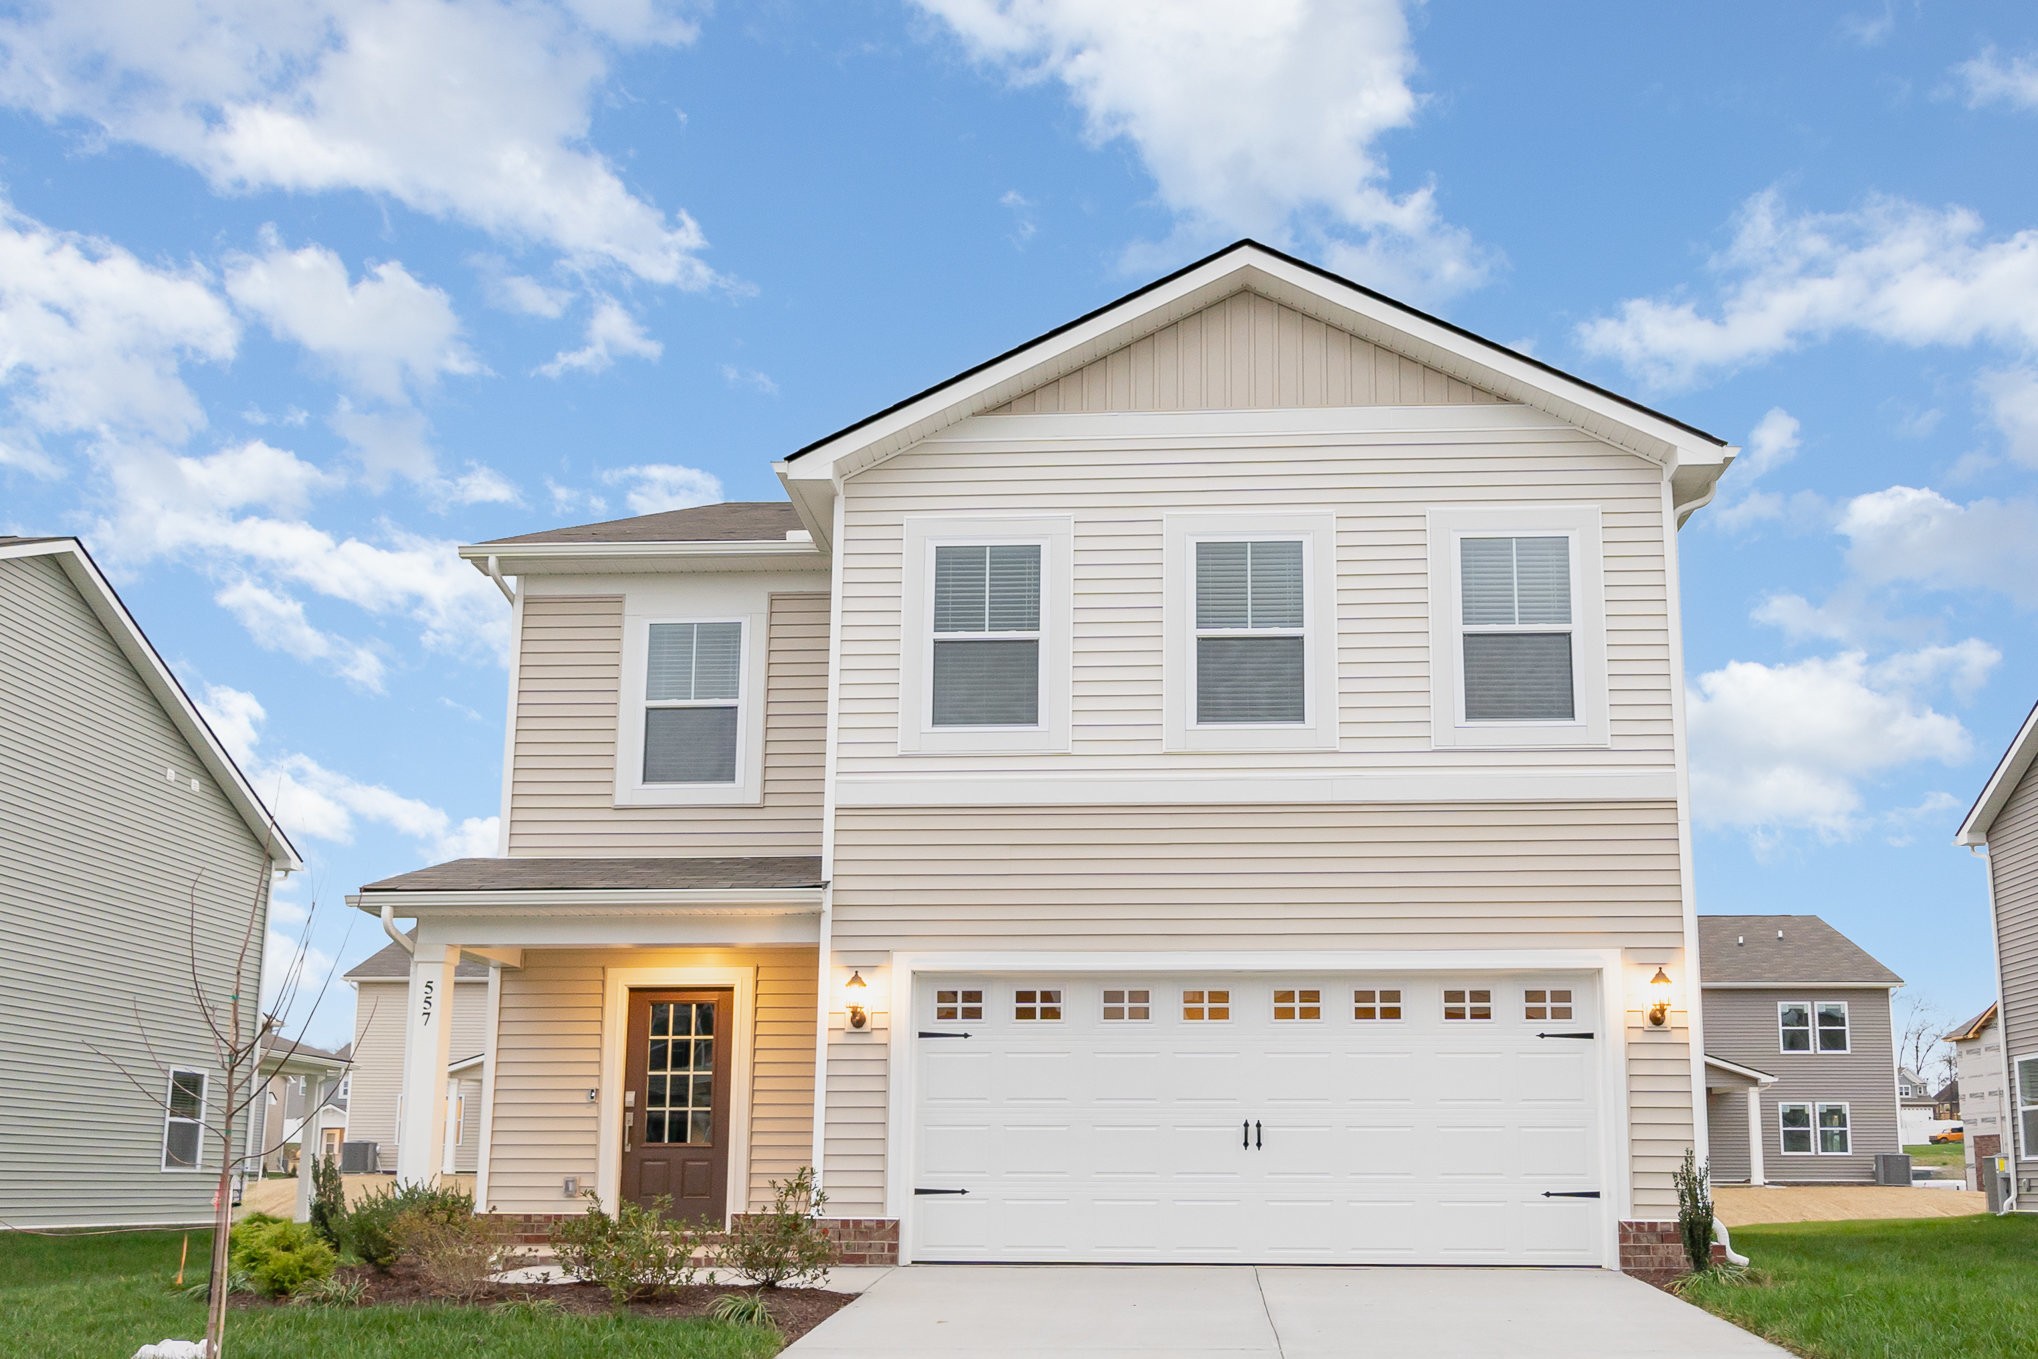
{"x": 377, "y": 1072}
{"x": 1331, "y": 877}
{"x": 563, "y": 766}
{"x": 1741, "y": 1027}
{"x": 548, "y": 1056}
{"x": 2013, "y": 875}
{"x": 101, "y": 857}
{"x": 1247, "y": 352}
{"x": 1378, "y": 486}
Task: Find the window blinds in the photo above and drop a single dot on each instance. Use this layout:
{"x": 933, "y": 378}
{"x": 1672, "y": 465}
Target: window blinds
{"x": 986, "y": 635}
{"x": 1508, "y": 586}
{"x": 692, "y": 682}
{"x": 1244, "y": 588}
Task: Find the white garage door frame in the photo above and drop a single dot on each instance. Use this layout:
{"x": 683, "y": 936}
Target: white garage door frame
{"x": 1606, "y": 964}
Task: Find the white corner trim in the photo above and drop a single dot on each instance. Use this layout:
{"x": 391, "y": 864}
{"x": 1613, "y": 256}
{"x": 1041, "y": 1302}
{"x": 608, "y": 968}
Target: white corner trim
{"x": 491, "y": 1030}
{"x": 617, "y": 983}
{"x": 509, "y": 731}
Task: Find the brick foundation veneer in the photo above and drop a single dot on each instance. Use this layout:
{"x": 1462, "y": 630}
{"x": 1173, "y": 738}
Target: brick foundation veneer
{"x": 864, "y": 1240}
{"x": 1654, "y": 1252}
{"x": 530, "y": 1229}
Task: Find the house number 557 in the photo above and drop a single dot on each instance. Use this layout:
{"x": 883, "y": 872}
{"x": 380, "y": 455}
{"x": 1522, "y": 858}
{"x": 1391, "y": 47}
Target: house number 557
{"x": 425, "y": 1004}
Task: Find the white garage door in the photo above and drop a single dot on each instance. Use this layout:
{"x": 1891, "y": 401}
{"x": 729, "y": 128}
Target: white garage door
{"x": 1375, "y": 1119}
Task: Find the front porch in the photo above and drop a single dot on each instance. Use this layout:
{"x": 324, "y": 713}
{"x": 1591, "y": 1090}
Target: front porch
{"x": 1735, "y": 1127}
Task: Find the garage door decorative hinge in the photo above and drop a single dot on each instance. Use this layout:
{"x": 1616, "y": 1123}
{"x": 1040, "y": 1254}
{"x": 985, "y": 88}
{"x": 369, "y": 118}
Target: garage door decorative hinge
{"x": 928, "y": 1033}
{"x": 941, "y": 1191}
{"x": 1566, "y": 1035}
{"x": 1570, "y": 1193}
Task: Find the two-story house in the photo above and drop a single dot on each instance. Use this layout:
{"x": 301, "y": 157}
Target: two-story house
{"x": 1801, "y": 1073}
{"x": 2003, "y": 823}
{"x": 1205, "y": 785}
{"x": 135, "y": 866}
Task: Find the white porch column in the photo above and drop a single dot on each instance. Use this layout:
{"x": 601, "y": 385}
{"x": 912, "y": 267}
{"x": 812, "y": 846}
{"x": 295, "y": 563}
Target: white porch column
{"x": 1755, "y": 1131}
{"x": 427, "y": 1049}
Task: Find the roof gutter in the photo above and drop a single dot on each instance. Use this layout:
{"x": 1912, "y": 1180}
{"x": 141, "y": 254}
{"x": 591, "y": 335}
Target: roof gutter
{"x": 389, "y": 927}
{"x": 495, "y": 574}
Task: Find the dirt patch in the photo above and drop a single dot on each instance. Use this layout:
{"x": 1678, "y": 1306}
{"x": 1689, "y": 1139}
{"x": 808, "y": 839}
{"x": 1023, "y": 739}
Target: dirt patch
{"x": 1745, "y": 1205}
{"x": 796, "y": 1310}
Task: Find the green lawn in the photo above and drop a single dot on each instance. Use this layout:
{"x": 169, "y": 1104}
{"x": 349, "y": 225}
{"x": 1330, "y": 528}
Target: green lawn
{"x": 102, "y": 1296}
{"x": 1944, "y": 1155}
{"x": 1935, "y": 1287}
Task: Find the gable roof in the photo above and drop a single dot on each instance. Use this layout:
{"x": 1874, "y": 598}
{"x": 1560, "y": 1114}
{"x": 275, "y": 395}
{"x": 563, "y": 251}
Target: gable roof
{"x": 2009, "y": 772}
{"x": 99, "y": 596}
{"x": 1696, "y": 457}
{"x": 1974, "y": 1027}
{"x": 1783, "y": 950}
{"x": 391, "y": 962}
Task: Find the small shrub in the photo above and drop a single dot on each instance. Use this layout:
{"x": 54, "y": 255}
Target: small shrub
{"x": 332, "y": 1292}
{"x": 1694, "y": 1210}
{"x": 366, "y": 1229}
{"x": 456, "y": 1257}
{"x": 328, "y": 1199}
{"x": 744, "y": 1309}
{"x": 785, "y": 1243}
{"x": 635, "y": 1253}
{"x": 278, "y": 1257}
{"x": 526, "y": 1308}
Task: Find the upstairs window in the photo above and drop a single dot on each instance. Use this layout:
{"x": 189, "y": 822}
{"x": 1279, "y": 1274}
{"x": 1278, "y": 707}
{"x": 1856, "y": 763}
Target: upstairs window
{"x": 693, "y": 685}
{"x": 1250, "y": 632}
{"x": 1516, "y": 622}
{"x": 1805, "y": 1027}
{"x": 986, "y": 635}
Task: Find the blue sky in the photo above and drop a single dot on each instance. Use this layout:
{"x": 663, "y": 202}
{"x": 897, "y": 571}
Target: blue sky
{"x": 294, "y": 297}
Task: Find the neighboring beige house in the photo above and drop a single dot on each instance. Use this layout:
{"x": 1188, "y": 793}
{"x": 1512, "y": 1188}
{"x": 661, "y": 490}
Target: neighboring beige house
{"x": 2004, "y": 823}
{"x": 1978, "y": 1060}
{"x": 375, "y": 1083}
{"x": 1205, "y": 785}
{"x": 120, "y": 815}
{"x": 1801, "y": 1073}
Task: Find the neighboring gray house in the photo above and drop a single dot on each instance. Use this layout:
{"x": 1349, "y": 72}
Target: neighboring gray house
{"x": 1978, "y": 1057}
{"x": 2004, "y": 822}
{"x": 305, "y": 1089}
{"x": 118, "y": 812}
{"x": 1800, "y": 1051}
{"x": 375, "y": 1085}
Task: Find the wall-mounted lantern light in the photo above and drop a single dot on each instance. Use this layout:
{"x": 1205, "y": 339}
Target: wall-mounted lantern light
{"x": 852, "y": 994}
{"x": 1659, "y": 999}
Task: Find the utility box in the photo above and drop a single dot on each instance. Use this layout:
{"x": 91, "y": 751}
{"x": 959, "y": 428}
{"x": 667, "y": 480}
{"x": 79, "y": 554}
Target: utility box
{"x": 1892, "y": 1167}
{"x": 359, "y": 1158}
{"x": 1995, "y": 1181}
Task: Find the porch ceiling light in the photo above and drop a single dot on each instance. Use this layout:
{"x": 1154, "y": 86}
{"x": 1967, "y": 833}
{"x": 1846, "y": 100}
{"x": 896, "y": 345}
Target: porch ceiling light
{"x": 852, "y": 991}
{"x": 1659, "y": 997}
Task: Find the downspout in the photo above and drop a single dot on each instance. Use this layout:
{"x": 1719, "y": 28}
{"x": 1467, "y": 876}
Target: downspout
{"x": 389, "y": 927}
{"x": 1719, "y": 1234}
{"x": 495, "y": 574}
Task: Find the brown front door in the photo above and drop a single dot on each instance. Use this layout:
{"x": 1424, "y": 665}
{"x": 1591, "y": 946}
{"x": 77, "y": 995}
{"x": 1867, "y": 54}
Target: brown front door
{"x": 676, "y": 1101}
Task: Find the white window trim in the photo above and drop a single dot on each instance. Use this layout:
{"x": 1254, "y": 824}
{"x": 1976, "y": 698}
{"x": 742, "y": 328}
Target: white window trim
{"x": 1319, "y": 728}
{"x": 1811, "y": 1114}
{"x": 1054, "y": 535}
{"x": 1580, "y": 524}
{"x": 748, "y": 786}
{"x": 1824, "y": 1104}
{"x": 2024, "y": 1103}
{"x": 204, "y": 1103}
{"x": 1811, "y": 1009}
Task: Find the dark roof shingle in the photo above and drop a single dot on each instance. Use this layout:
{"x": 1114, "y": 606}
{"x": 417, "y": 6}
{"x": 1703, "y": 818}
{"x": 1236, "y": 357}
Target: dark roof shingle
{"x": 613, "y": 875}
{"x": 393, "y": 960}
{"x": 735, "y": 521}
{"x": 1785, "y": 949}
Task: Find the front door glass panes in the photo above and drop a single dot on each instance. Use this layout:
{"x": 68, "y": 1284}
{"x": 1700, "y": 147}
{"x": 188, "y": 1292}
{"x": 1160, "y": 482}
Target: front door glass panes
{"x": 679, "y": 1074}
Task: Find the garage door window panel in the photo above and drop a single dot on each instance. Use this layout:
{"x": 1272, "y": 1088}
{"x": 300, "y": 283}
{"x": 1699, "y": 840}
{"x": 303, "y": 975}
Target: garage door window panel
{"x": 1375, "y": 1004}
{"x": 1468, "y": 1004}
{"x": 1297, "y": 1003}
{"x": 959, "y": 1004}
{"x": 1206, "y": 1006}
{"x": 1039, "y": 1004}
{"x": 1546, "y": 1004}
{"x": 1127, "y": 1004}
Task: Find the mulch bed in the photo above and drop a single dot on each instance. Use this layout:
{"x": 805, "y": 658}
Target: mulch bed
{"x": 796, "y": 1310}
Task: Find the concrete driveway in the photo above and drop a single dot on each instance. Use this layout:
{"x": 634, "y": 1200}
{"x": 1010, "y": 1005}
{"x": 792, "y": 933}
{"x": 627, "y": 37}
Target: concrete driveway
{"x": 1148, "y": 1312}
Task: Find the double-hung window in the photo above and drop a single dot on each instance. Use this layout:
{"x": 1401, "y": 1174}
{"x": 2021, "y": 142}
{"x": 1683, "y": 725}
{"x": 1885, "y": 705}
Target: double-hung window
{"x": 986, "y": 670}
{"x": 1250, "y": 632}
{"x": 1824, "y": 1128}
{"x": 2026, "y": 1071}
{"x": 184, "y": 1120}
{"x": 1517, "y": 627}
{"x": 1802, "y": 1026}
{"x": 693, "y": 687}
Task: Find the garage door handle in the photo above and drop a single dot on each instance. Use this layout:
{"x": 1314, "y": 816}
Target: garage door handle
{"x": 924, "y": 1033}
{"x": 1570, "y": 1193}
{"x": 1564, "y": 1035}
{"x": 1245, "y": 1134}
{"x": 1258, "y": 1141}
{"x": 941, "y": 1191}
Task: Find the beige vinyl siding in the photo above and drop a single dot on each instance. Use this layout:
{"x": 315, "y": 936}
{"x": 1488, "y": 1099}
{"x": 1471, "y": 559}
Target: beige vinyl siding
{"x": 1247, "y": 353}
{"x": 378, "y": 1063}
{"x": 1379, "y": 488}
{"x": 2013, "y": 873}
{"x": 1355, "y": 877}
{"x": 548, "y": 1057}
{"x": 1740, "y": 1026}
{"x": 562, "y": 792}
{"x": 101, "y": 858}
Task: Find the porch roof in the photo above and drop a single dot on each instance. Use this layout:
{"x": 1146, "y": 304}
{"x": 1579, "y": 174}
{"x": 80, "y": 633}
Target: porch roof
{"x": 609, "y": 875}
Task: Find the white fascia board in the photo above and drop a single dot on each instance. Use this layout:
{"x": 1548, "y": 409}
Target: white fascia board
{"x": 1485, "y": 365}
{"x": 1761, "y": 1078}
{"x": 1800, "y": 986}
{"x": 99, "y": 595}
{"x": 532, "y": 559}
{"x": 717, "y": 901}
{"x": 2009, "y": 772}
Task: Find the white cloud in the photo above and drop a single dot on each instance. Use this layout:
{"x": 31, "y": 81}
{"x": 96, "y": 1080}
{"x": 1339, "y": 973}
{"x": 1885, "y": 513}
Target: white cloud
{"x": 1989, "y": 79}
{"x": 398, "y": 442}
{"x": 1773, "y": 442}
{"x": 91, "y": 338}
{"x": 612, "y": 333}
{"x": 1777, "y": 748}
{"x": 476, "y": 111}
{"x": 386, "y": 335}
{"x": 653, "y": 487}
{"x": 2011, "y": 395}
{"x": 520, "y": 293}
{"x": 761, "y": 383}
{"x": 277, "y": 622}
{"x": 236, "y": 718}
{"x": 1915, "y": 535}
{"x": 1255, "y": 119}
{"x": 572, "y": 500}
{"x": 1890, "y": 269}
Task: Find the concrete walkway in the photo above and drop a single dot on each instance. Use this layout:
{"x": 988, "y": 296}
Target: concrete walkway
{"x": 1149, "y": 1312}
